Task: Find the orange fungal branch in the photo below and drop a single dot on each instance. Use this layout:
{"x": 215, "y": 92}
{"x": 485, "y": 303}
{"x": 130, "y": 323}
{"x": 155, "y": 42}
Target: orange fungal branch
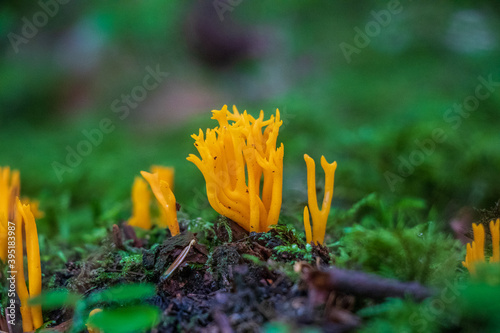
{"x": 166, "y": 199}
{"x": 319, "y": 217}
{"x": 34, "y": 267}
{"x": 32, "y": 315}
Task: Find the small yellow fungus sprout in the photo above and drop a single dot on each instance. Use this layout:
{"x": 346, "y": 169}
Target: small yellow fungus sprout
{"x": 475, "y": 250}
{"x": 319, "y": 217}
{"x": 236, "y": 158}
{"x": 90, "y": 327}
{"x": 166, "y": 200}
{"x": 141, "y": 200}
{"x": 32, "y": 315}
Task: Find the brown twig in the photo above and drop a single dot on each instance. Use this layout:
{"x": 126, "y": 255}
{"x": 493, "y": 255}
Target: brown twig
{"x": 364, "y": 285}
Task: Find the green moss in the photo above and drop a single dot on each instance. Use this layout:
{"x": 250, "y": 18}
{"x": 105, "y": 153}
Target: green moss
{"x": 103, "y": 277}
{"x": 399, "y": 315}
{"x": 131, "y": 263}
{"x": 295, "y": 251}
{"x": 419, "y": 254}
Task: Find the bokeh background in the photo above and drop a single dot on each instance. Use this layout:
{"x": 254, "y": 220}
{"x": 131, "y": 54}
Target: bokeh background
{"x": 67, "y": 66}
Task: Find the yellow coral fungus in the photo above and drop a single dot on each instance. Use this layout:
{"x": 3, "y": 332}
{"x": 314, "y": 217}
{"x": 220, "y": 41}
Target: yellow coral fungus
{"x": 14, "y": 218}
{"x": 475, "y": 250}
{"x": 165, "y": 198}
{"x": 32, "y": 315}
{"x": 34, "y": 267}
{"x": 22, "y": 290}
{"x": 141, "y": 201}
{"x": 236, "y": 158}
{"x": 319, "y": 217}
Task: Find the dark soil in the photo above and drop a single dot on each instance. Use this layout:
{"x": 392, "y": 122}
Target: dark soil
{"x": 238, "y": 285}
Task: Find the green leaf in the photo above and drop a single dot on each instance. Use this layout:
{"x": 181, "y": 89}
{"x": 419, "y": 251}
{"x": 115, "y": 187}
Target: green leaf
{"x": 123, "y": 293}
{"x": 55, "y": 299}
{"x": 126, "y": 320}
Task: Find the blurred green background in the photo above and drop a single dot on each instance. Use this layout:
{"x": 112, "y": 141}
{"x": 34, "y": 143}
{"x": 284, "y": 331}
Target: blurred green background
{"x": 365, "y": 83}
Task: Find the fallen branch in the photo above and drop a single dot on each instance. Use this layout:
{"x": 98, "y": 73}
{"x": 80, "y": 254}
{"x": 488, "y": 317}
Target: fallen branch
{"x": 364, "y": 285}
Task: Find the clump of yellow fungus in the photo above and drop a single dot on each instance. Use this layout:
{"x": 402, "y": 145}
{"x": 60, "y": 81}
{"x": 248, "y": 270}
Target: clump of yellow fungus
{"x": 319, "y": 217}
{"x": 16, "y": 217}
{"x": 475, "y": 250}
{"x": 161, "y": 181}
{"x": 237, "y": 157}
